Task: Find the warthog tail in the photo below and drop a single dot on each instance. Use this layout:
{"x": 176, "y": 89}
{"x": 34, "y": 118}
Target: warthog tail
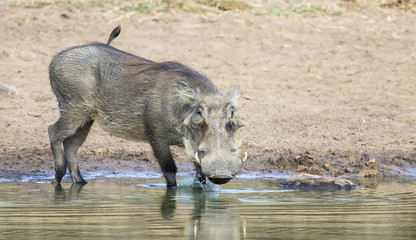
{"x": 114, "y": 34}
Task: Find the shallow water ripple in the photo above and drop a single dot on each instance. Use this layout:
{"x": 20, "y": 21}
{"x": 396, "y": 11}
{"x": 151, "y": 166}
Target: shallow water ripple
{"x": 258, "y": 208}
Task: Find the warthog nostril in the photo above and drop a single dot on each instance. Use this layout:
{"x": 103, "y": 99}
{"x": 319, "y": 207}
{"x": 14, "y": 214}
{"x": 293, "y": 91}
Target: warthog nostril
{"x": 220, "y": 179}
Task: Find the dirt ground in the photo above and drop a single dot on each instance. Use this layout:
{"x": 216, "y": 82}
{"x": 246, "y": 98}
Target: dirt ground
{"x": 323, "y": 91}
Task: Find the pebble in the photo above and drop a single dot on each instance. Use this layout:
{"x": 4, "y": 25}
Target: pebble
{"x": 7, "y": 89}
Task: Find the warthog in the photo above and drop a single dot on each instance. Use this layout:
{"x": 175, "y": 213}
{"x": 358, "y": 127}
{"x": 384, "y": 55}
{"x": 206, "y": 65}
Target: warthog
{"x": 163, "y": 103}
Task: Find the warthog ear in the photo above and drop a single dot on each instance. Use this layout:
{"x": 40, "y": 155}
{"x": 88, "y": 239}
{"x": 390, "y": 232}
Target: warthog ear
{"x": 233, "y": 95}
{"x": 187, "y": 93}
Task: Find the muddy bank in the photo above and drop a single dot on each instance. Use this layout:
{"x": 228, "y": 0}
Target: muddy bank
{"x": 32, "y": 162}
{"x": 333, "y": 164}
{"x": 322, "y": 93}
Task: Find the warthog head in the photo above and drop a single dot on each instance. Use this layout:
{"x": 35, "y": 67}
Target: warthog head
{"x": 210, "y": 129}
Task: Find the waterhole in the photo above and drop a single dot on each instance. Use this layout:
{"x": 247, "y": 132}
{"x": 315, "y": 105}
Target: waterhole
{"x": 244, "y": 208}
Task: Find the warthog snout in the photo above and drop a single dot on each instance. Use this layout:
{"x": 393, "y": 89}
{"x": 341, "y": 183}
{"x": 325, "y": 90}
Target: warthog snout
{"x": 226, "y": 176}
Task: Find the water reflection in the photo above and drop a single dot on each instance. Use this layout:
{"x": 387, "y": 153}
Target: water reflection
{"x": 212, "y": 218}
{"x": 62, "y": 195}
{"x": 242, "y": 209}
{"x": 168, "y": 206}
{"x": 369, "y": 182}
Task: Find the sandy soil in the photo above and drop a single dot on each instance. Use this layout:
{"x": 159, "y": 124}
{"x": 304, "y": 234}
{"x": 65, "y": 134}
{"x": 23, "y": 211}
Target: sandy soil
{"x": 322, "y": 93}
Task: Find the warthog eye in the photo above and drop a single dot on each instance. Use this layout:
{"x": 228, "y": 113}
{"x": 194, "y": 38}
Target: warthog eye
{"x": 197, "y": 118}
{"x": 200, "y": 110}
{"x": 230, "y": 125}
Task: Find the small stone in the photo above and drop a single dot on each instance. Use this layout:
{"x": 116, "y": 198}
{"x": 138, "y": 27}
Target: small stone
{"x": 371, "y": 169}
{"x": 4, "y": 54}
{"x": 7, "y": 89}
{"x": 353, "y": 159}
{"x": 372, "y": 164}
{"x": 328, "y": 166}
{"x": 348, "y": 170}
{"x": 315, "y": 170}
{"x": 34, "y": 114}
{"x": 302, "y": 168}
{"x": 340, "y": 172}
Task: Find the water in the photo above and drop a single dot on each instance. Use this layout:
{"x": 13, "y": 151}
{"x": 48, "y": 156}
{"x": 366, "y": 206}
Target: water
{"x": 245, "y": 208}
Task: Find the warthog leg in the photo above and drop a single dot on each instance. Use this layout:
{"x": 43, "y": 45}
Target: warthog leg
{"x": 164, "y": 157}
{"x": 70, "y": 132}
{"x": 71, "y": 145}
{"x": 58, "y": 153}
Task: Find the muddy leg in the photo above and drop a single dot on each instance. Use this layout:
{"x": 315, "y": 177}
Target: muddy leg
{"x": 199, "y": 175}
{"x": 71, "y": 146}
{"x": 58, "y": 153}
{"x": 165, "y": 159}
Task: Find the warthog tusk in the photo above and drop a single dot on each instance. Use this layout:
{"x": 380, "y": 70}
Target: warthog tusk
{"x": 245, "y": 157}
{"x": 197, "y": 159}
